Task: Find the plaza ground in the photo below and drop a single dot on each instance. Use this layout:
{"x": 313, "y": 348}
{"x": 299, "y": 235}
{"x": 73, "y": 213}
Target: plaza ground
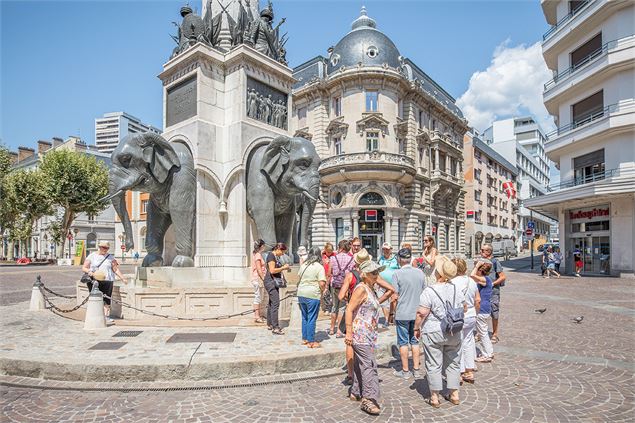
{"x": 547, "y": 368}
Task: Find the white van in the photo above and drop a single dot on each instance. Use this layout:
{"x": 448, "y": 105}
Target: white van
{"x": 504, "y": 247}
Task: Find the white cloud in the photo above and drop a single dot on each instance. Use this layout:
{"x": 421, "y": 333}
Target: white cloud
{"x": 511, "y": 86}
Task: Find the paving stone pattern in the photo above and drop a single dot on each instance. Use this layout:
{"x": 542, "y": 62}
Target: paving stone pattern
{"x": 546, "y": 369}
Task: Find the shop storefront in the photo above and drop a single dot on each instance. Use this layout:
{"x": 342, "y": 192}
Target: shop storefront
{"x": 589, "y": 232}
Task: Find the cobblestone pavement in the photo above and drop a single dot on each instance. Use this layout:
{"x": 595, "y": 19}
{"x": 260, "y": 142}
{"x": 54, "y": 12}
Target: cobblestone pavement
{"x": 547, "y": 369}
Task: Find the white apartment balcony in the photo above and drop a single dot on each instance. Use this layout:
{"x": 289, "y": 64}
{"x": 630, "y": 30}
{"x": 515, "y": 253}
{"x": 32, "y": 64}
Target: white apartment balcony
{"x": 367, "y": 166}
{"x": 612, "y": 57}
{"x": 575, "y": 25}
{"x": 599, "y": 186}
{"x": 611, "y": 118}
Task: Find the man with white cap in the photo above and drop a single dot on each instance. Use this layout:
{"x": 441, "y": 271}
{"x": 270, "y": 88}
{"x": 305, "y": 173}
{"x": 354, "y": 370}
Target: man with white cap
{"x": 102, "y": 267}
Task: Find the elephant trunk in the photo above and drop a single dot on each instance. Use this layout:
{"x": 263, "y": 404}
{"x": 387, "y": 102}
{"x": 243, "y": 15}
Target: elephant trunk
{"x": 311, "y": 197}
{"x": 118, "y": 199}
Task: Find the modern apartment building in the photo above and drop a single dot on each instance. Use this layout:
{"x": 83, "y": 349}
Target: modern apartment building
{"x": 391, "y": 142}
{"x": 111, "y": 128}
{"x": 591, "y": 50}
{"x": 490, "y": 199}
{"x": 521, "y": 141}
{"x": 90, "y": 229}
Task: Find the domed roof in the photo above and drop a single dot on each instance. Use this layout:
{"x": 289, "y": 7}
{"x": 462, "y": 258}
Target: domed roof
{"x": 363, "y": 44}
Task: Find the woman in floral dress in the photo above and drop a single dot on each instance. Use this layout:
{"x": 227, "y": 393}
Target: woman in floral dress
{"x": 362, "y": 314}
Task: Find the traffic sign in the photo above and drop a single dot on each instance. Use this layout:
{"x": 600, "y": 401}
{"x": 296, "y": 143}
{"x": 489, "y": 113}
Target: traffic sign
{"x": 531, "y": 224}
{"x": 123, "y": 247}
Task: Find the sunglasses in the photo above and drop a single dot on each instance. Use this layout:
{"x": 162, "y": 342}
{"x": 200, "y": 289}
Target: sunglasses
{"x": 375, "y": 272}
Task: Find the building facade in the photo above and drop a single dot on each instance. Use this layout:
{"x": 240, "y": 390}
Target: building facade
{"x": 111, "y": 128}
{"x": 137, "y": 205}
{"x": 490, "y": 195}
{"x": 521, "y": 141}
{"x": 391, "y": 142}
{"x": 591, "y": 50}
{"x": 89, "y": 229}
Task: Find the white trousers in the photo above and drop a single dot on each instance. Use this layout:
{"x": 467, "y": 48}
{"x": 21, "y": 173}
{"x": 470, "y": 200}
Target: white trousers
{"x": 483, "y": 331}
{"x": 468, "y": 346}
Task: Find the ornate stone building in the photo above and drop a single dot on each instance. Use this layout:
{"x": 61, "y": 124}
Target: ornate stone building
{"x": 391, "y": 142}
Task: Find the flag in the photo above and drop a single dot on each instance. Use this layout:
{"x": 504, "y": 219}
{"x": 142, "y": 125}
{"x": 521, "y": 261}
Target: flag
{"x": 509, "y": 189}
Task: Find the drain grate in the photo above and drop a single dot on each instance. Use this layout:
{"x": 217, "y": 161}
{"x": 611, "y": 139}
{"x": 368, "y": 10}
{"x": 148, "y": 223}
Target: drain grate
{"x": 127, "y": 334}
{"x": 202, "y": 337}
{"x": 108, "y": 346}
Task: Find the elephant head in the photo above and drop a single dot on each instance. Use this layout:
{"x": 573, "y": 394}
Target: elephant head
{"x": 141, "y": 162}
{"x": 291, "y": 166}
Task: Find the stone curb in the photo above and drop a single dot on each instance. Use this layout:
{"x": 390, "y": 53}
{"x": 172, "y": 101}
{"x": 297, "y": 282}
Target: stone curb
{"x": 281, "y": 366}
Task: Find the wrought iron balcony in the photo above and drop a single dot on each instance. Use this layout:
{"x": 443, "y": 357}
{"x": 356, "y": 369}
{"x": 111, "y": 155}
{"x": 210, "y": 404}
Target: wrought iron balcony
{"x": 592, "y": 57}
{"x": 566, "y": 19}
{"x": 569, "y": 183}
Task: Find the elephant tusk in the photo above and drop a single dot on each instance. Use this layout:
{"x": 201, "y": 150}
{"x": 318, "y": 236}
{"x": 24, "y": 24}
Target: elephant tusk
{"x": 310, "y": 197}
{"x": 110, "y": 196}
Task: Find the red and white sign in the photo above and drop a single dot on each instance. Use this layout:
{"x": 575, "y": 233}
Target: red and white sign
{"x": 509, "y": 189}
{"x": 123, "y": 247}
{"x": 370, "y": 215}
{"x": 529, "y": 232}
{"x": 469, "y": 214}
{"x": 589, "y": 213}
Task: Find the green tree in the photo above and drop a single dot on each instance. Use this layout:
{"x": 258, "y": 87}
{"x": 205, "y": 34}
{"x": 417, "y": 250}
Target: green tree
{"x": 5, "y": 212}
{"x": 25, "y": 199}
{"x": 75, "y": 182}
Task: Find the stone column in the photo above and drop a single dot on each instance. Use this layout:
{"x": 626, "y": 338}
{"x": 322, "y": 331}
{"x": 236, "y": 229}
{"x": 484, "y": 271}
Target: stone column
{"x": 436, "y": 159}
{"x": 441, "y": 235}
{"x": 355, "y": 224}
{"x": 388, "y": 228}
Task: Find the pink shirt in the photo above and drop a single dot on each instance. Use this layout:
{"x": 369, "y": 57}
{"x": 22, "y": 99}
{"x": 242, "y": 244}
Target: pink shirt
{"x": 256, "y": 260}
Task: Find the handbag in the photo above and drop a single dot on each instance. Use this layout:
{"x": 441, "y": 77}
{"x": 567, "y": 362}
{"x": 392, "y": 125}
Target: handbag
{"x": 86, "y": 278}
{"x": 279, "y": 281}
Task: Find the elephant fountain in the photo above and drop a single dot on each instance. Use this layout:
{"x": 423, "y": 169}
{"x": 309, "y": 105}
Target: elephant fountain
{"x": 148, "y": 163}
{"x": 283, "y": 183}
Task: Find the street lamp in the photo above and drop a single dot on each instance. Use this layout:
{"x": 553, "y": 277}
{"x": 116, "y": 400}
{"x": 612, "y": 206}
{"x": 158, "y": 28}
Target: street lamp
{"x": 69, "y": 236}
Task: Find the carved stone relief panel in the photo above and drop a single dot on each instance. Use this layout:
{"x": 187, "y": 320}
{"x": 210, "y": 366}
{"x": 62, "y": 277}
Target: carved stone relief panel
{"x": 266, "y": 104}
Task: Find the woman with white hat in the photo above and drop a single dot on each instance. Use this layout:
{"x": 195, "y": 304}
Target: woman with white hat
{"x": 102, "y": 268}
{"x": 442, "y": 348}
{"x": 362, "y": 314}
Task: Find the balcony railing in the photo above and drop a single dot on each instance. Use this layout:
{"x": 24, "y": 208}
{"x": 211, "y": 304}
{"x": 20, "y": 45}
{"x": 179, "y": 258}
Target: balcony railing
{"x": 566, "y": 19}
{"x": 368, "y": 157}
{"x": 585, "y": 180}
{"x": 583, "y": 120}
{"x": 592, "y": 57}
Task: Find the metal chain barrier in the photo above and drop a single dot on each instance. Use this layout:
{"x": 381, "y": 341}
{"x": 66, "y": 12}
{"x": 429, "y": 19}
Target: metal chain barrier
{"x": 196, "y": 319}
{"x": 56, "y": 308}
{"x": 56, "y": 294}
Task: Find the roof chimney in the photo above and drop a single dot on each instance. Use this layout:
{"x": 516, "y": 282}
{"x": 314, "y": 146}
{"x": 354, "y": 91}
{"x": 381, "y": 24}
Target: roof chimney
{"x": 42, "y": 146}
{"x": 57, "y": 141}
{"x": 25, "y": 153}
{"x": 13, "y": 157}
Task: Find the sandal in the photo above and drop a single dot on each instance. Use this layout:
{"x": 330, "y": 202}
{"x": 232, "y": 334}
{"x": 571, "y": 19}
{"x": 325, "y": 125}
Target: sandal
{"x": 354, "y": 397}
{"x": 269, "y": 327}
{"x": 369, "y": 406}
{"x": 314, "y": 345}
{"x": 305, "y": 342}
{"x": 494, "y": 339}
{"x": 454, "y": 401}
{"x": 483, "y": 359}
{"x": 468, "y": 379}
{"x": 340, "y": 335}
{"x": 260, "y": 320}
{"x": 277, "y": 331}
{"x": 331, "y": 332}
{"x": 436, "y": 404}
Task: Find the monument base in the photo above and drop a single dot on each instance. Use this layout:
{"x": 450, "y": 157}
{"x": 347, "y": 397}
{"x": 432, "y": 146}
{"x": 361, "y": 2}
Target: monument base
{"x": 185, "y": 293}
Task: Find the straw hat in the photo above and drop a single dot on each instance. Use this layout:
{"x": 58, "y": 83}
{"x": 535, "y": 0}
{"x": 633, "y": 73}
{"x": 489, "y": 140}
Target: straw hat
{"x": 370, "y": 266}
{"x": 104, "y": 244}
{"x": 362, "y": 256}
{"x": 445, "y": 267}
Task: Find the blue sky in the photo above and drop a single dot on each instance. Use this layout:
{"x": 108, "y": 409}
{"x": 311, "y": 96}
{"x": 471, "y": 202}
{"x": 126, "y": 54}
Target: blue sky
{"x": 65, "y": 63}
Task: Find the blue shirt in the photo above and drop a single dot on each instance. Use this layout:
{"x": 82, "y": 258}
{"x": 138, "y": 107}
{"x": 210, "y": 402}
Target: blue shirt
{"x": 486, "y": 296}
{"x": 391, "y": 266}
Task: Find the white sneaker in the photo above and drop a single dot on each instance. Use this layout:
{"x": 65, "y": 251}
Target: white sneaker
{"x": 109, "y": 321}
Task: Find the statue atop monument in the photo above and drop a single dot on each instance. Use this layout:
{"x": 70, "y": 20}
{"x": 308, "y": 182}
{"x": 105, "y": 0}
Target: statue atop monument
{"x": 225, "y": 29}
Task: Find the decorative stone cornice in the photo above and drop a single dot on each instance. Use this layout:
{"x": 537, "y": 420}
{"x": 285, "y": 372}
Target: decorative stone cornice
{"x": 303, "y": 133}
{"x": 337, "y": 127}
{"x": 372, "y": 120}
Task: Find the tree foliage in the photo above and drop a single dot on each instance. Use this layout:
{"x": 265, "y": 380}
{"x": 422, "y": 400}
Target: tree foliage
{"x": 75, "y": 182}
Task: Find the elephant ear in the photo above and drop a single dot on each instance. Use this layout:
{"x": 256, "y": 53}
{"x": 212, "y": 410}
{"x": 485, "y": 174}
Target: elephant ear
{"x": 275, "y": 160}
{"x": 159, "y": 155}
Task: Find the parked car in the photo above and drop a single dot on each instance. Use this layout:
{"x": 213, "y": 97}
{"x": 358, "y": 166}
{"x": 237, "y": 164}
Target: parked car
{"x": 504, "y": 247}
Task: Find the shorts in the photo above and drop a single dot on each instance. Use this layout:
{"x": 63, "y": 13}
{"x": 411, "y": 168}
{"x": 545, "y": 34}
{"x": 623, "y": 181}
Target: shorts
{"x": 105, "y": 287}
{"x": 379, "y": 291}
{"x": 406, "y": 333}
{"x": 551, "y": 266}
{"x": 578, "y": 264}
{"x": 337, "y": 304}
{"x": 495, "y": 302}
{"x": 257, "y": 291}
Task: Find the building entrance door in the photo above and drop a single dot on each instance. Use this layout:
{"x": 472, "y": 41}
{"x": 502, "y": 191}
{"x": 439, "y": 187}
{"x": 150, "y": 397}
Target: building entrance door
{"x": 596, "y": 253}
{"x": 372, "y": 243}
{"x": 371, "y": 230}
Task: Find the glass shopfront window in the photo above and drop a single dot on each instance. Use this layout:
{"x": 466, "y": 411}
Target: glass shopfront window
{"x": 590, "y": 235}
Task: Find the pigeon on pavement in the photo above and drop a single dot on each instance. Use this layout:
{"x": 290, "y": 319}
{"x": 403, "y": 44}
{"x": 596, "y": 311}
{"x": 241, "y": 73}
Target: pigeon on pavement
{"x": 540, "y": 310}
{"x": 578, "y": 319}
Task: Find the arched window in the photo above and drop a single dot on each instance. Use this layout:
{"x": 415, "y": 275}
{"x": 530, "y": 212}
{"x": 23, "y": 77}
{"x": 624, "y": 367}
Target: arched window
{"x": 142, "y": 239}
{"x": 91, "y": 241}
{"x": 371, "y": 199}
